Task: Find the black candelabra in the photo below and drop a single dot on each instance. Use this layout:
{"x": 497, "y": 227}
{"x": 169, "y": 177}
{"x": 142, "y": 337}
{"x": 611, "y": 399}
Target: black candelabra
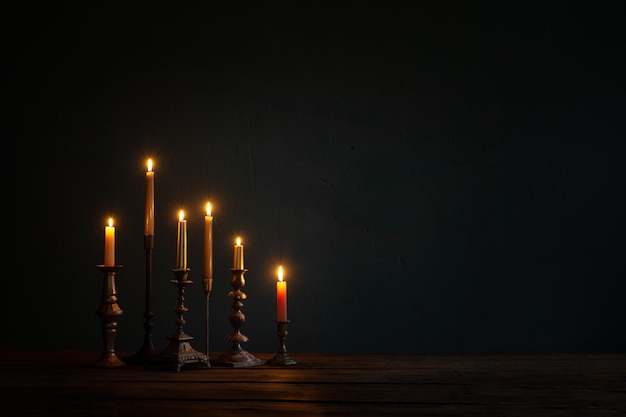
{"x": 146, "y": 352}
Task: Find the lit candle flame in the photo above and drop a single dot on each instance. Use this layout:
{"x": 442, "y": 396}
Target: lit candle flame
{"x": 208, "y": 209}
{"x": 238, "y": 241}
{"x": 149, "y": 165}
{"x": 110, "y": 221}
{"x": 280, "y": 273}
{"x": 181, "y": 215}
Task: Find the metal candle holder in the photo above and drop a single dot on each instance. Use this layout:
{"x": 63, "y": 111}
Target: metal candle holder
{"x": 109, "y": 311}
{"x": 207, "y": 285}
{"x": 180, "y": 352}
{"x": 282, "y": 358}
{"x": 147, "y": 351}
{"x": 236, "y": 356}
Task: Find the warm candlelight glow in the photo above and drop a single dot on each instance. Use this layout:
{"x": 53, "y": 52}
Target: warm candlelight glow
{"x": 280, "y": 273}
{"x": 110, "y": 221}
{"x": 208, "y": 209}
{"x": 238, "y": 241}
{"x": 149, "y": 165}
{"x": 181, "y": 216}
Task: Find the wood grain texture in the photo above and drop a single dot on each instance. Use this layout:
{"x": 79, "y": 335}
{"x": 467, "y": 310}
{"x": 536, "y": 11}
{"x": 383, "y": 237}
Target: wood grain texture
{"x": 65, "y": 383}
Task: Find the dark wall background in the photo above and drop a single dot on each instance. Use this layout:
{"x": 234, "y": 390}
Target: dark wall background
{"x": 440, "y": 178}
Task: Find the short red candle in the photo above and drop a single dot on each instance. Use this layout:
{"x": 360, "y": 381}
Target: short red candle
{"x": 281, "y": 297}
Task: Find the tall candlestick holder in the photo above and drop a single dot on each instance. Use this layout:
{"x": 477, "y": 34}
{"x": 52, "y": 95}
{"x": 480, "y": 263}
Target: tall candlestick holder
{"x": 109, "y": 311}
{"x": 180, "y": 352}
{"x": 236, "y": 356}
{"x": 207, "y": 286}
{"x": 146, "y": 352}
{"x": 282, "y": 358}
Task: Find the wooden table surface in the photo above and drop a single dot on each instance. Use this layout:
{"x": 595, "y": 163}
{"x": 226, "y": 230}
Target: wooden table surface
{"x": 65, "y": 383}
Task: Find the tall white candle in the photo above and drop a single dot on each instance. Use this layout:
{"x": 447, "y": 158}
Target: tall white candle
{"x": 207, "y": 270}
{"x": 109, "y": 244}
{"x": 149, "y": 217}
{"x": 238, "y": 255}
{"x": 181, "y": 242}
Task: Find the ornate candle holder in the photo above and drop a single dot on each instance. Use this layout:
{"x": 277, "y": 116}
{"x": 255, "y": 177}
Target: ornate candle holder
{"x": 147, "y": 351}
{"x": 180, "y": 352}
{"x": 109, "y": 311}
{"x": 282, "y": 358}
{"x": 236, "y": 356}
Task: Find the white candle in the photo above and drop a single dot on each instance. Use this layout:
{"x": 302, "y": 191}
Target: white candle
{"x": 109, "y": 244}
{"x": 281, "y": 297}
{"x": 207, "y": 270}
{"x": 149, "y": 218}
{"x": 238, "y": 255}
{"x": 181, "y": 242}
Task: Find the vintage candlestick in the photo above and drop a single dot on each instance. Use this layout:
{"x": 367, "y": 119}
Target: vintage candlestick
{"x": 109, "y": 311}
{"x": 147, "y": 351}
{"x": 180, "y": 352}
{"x": 282, "y": 358}
{"x": 236, "y": 356}
{"x": 207, "y": 285}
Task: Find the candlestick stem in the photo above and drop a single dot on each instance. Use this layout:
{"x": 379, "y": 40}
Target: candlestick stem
{"x": 180, "y": 352}
{"x": 236, "y": 356}
{"x": 109, "y": 311}
{"x": 282, "y": 358}
{"x": 147, "y": 351}
{"x": 207, "y": 286}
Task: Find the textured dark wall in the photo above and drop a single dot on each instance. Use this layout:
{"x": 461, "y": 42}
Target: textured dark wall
{"x": 433, "y": 179}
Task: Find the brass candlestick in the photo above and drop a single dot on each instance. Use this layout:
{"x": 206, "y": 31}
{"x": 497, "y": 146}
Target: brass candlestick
{"x": 282, "y": 358}
{"x": 109, "y": 311}
{"x": 236, "y": 356}
{"x": 147, "y": 351}
{"x": 180, "y": 352}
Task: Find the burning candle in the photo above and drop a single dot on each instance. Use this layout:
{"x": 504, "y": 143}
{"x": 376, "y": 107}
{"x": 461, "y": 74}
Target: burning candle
{"x": 281, "y": 297}
{"x": 181, "y": 242}
{"x": 109, "y": 244}
{"x": 207, "y": 271}
{"x": 238, "y": 255}
{"x": 149, "y": 218}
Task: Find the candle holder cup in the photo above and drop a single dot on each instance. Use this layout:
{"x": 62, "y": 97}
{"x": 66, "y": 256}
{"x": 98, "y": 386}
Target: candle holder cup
{"x": 109, "y": 312}
{"x": 180, "y": 352}
{"x": 282, "y": 358}
{"x": 146, "y": 353}
{"x": 236, "y": 356}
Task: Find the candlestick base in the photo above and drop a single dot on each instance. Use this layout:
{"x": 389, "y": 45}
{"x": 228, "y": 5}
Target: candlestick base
{"x": 237, "y": 357}
{"x": 282, "y": 358}
{"x": 180, "y": 352}
{"x": 109, "y": 311}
